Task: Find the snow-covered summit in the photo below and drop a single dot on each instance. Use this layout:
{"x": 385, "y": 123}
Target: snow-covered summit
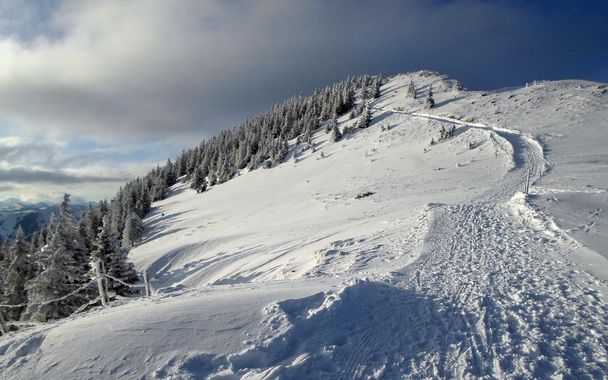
{"x": 377, "y": 256}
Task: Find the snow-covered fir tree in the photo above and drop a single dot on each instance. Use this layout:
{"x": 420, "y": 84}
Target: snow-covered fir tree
{"x": 75, "y": 242}
{"x": 33, "y": 243}
{"x": 159, "y": 188}
{"x": 113, "y": 258}
{"x": 62, "y": 264}
{"x": 329, "y": 126}
{"x": 198, "y": 180}
{"x": 4, "y": 247}
{"x": 50, "y": 228}
{"x": 371, "y": 87}
{"x": 49, "y": 294}
{"x": 446, "y": 133}
{"x": 335, "y": 134}
{"x": 375, "y": 88}
{"x": 133, "y": 231}
{"x": 89, "y": 226}
{"x": 429, "y": 102}
{"x": 411, "y": 90}
{"x": 365, "y": 118}
{"x": 18, "y": 272}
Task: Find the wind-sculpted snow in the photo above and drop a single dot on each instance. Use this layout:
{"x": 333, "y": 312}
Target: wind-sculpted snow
{"x": 445, "y": 269}
{"x": 368, "y": 330}
{"x": 490, "y": 297}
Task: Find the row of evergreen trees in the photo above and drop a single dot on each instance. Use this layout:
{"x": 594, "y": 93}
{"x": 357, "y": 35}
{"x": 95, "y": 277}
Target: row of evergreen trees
{"x": 42, "y": 272}
{"x": 39, "y": 276}
{"x": 262, "y": 141}
{"x": 50, "y": 274}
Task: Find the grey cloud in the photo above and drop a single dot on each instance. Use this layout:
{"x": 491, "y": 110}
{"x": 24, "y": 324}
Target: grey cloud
{"x": 29, "y": 176}
{"x": 149, "y": 69}
{"x": 52, "y": 155}
{"x": 29, "y": 153}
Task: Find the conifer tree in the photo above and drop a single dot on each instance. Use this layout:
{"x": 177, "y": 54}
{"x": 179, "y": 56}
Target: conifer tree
{"x": 42, "y": 238}
{"x": 169, "y": 174}
{"x": 3, "y": 266}
{"x": 50, "y": 228}
{"x": 365, "y": 118}
{"x": 411, "y": 90}
{"x": 74, "y": 242}
{"x": 89, "y": 225}
{"x": 61, "y": 265}
{"x": 49, "y": 293}
{"x": 375, "y": 90}
{"x": 198, "y": 180}
{"x": 329, "y": 126}
{"x": 429, "y": 102}
{"x": 19, "y": 271}
{"x": 114, "y": 259}
{"x": 4, "y": 250}
{"x": 335, "y": 134}
{"x": 212, "y": 179}
{"x": 159, "y": 189}
{"x": 33, "y": 245}
{"x": 133, "y": 232}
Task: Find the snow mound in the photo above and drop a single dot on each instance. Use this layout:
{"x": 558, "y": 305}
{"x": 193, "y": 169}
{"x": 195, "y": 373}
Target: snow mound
{"x": 535, "y": 218}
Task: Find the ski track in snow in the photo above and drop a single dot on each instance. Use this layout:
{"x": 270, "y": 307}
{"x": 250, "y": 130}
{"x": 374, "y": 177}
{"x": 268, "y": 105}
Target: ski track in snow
{"x": 489, "y": 297}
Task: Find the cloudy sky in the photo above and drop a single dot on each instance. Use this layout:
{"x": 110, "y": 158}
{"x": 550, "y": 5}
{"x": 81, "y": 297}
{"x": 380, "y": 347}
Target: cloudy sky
{"x": 93, "y": 93}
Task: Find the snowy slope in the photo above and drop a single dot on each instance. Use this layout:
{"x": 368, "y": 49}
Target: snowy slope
{"x": 446, "y": 271}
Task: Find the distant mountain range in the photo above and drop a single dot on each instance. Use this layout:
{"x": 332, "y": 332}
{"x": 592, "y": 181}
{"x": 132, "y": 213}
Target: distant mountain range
{"x": 30, "y": 216}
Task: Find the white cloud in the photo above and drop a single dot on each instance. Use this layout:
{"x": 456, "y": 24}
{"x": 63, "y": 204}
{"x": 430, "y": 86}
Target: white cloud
{"x": 36, "y": 169}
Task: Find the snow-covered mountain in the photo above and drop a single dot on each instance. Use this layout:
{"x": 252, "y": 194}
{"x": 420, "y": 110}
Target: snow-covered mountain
{"x": 444, "y": 269}
{"x": 30, "y": 216}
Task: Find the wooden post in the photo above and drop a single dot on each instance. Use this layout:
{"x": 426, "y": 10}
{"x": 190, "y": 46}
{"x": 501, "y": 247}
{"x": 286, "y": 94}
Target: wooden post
{"x": 100, "y": 283}
{"x": 147, "y": 282}
{"x": 527, "y": 186}
{"x": 3, "y": 327}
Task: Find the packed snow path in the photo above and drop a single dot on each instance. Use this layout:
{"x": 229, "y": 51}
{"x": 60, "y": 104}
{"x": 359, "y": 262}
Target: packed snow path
{"x": 493, "y": 295}
{"x": 527, "y": 155}
{"x": 521, "y": 307}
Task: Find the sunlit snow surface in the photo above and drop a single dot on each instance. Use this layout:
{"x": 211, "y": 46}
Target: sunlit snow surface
{"x": 446, "y": 271}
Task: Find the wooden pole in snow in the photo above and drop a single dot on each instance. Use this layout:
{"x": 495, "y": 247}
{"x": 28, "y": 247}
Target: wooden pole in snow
{"x": 527, "y": 187}
{"x": 147, "y": 282}
{"x": 100, "y": 283}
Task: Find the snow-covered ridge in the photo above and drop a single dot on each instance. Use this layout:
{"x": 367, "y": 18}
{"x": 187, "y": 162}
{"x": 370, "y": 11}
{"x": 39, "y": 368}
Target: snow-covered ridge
{"x": 446, "y": 271}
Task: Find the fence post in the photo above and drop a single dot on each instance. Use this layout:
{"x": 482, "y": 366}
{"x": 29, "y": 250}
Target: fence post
{"x": 527, "y": 187}
{"x": 147, "y": 282}
{"x": 100, "y": 283}
{"x": 3, "y": 324}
